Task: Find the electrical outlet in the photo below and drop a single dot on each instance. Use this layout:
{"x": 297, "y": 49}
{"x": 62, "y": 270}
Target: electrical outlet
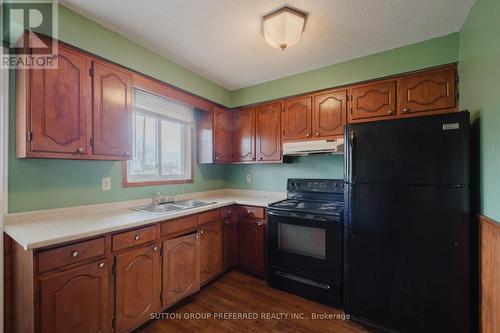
{"x": 249, "y": 179}
{"x": 106, "y": 184}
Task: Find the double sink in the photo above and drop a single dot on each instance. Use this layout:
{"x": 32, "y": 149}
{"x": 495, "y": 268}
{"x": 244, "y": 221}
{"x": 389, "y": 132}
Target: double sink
{"x": 171, "y": 207}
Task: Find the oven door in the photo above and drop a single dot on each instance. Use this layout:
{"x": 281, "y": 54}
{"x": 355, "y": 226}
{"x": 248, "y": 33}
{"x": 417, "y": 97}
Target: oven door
{"x": 309, "y": 246}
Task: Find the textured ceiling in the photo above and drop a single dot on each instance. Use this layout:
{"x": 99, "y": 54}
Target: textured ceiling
{"x": 221, "y": 39}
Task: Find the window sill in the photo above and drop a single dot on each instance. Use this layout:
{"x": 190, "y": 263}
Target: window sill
{"x": 126, "y": 183}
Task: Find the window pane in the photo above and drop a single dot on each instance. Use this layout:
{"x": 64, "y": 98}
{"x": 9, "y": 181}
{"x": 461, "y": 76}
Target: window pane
{"x": 172, "y": 149}
{"x": 145, "y": 162}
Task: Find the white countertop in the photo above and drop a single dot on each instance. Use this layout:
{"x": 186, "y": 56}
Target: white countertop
{"x": 42, "y": 228}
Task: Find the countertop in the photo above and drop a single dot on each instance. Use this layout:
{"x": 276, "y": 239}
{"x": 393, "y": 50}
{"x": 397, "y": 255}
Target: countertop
{"x": 36, "y": 229}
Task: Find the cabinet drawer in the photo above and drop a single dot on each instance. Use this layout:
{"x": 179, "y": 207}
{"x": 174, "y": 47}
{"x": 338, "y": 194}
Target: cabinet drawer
{"x": 70, "y": 254}
{"x": 134, "y": 237}
{"x": 252, "y": 211}
{"x": 177, "y": 225}
{"x": 210, "y": 216}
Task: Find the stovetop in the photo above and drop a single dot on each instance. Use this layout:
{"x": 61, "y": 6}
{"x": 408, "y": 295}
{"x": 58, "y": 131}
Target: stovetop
{"x": 310, "y": 206}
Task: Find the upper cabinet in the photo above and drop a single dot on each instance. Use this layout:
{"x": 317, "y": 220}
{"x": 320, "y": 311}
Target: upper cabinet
{"x": 222, "y": 135}
{"x": 244, "y": 135}
{"x": 432, "y": 90}
{"x": 112, "y": 127}
{"x": 268, "y": 132}
{"x": 373, "y": 100}
{"x": 81, "y": 110}
{"x": 296, "y": 119}
{"x": 329, "y": 114}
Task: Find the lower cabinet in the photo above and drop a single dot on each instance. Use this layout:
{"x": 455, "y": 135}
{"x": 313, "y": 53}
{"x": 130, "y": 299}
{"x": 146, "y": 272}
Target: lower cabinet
{"x": 76, "y": 300}
{"x": 137, "y": 286}
{"x": 211, "y": 250}
{"x": 252, "y": 254}
{"x": 181, "y": 268}
{"x": 230, "y": 240}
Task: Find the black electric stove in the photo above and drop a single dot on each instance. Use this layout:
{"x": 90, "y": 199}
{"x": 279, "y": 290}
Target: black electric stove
{"x": 305, "y": 240}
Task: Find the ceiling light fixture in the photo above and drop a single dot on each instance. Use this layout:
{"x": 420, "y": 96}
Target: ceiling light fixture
{"x": 283, "y": 27}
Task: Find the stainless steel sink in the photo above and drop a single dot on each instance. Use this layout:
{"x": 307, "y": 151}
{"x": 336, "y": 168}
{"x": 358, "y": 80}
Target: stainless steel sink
{"x": 193, "y": 203}
{"x": 172, "y": 207}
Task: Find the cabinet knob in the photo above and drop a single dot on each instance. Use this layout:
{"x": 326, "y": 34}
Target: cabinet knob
{"x": 197, "y": 236}
{"x": 201, "y": 232}
{"x": 390, "y": 112}
{"x": 216, "y": 157}
{"x": 127, "y": 153}
{"x": 226, "y": 222}
{"x": 101, "y": 265}
{"x": 405, "y": 110}
{"x": 317, "y": 133}
{"x": 260, "y": 224}
{"x": 308, "y": 134}
{"x": 75, "y": 254}
{"x": 81, "y": 150}
{"x": 249, "y": 212}
{"x": 155, "y": 248}
{"x": 137, "y": 237}
{"x": 261, "y": 158}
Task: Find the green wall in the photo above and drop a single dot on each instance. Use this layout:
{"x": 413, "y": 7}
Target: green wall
{"x": 434, "y": 52}
{"x": 479, "y": 91}
{"x": 272, "y": 177}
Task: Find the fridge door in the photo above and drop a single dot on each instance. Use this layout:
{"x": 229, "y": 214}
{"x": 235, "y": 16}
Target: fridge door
{"x": 408, "y": 257}
{"x": 424, "y": 150}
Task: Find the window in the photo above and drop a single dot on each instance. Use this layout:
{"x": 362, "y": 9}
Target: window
{"x": 162, "y": 151}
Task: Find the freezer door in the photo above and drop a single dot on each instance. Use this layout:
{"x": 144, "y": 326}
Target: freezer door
{"x": 431, "y": 150}
{"x": 408, "y": 258}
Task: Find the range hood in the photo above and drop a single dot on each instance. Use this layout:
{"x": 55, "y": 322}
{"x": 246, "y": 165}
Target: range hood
{"x": 304, "y": 148}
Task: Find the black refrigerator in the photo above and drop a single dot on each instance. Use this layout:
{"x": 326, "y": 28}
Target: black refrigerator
{"x": 408, "y": 232}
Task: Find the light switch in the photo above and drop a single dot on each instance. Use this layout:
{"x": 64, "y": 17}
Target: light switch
{"x": 249, "y": 179}
{"x": 106, "y": 184}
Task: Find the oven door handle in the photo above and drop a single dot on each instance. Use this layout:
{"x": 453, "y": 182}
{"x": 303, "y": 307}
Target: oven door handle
{"x": 303, "y": 280}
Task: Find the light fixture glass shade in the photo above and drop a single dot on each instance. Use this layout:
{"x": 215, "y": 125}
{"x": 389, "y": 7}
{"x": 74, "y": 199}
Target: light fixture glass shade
{"x": 283, "y": 27}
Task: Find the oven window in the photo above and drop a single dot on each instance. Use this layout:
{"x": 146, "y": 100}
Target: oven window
{"x": 302, "y": 240}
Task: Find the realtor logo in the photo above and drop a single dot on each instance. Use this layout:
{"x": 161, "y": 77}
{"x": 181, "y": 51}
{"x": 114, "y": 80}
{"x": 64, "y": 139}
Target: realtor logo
{"x": 23, "y": 22}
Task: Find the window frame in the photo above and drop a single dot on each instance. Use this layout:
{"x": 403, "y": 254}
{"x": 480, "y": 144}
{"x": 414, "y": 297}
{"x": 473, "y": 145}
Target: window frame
{"x": 158, "y": 89}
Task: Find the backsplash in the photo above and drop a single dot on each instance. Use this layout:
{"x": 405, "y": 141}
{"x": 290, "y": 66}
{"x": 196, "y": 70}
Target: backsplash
{"x": 273, "y": 177}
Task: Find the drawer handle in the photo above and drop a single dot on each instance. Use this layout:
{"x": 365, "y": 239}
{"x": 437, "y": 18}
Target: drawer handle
{"x": 155, "y": 248}
{"x": 406, "y": 110}
{"x": 201, "y": 232}
{"x": 127, "y": 153}
{"x": 308, "y": 134}
{"x": 101, "y": 265}
{"x": 81, "y": 150}
{"x": 259, "y": 224}
{"x": 197, "y": 236}
{"x": 229, "y": 212}
{"x": 390, "y": 112}
{"x": 317, "y": 133}
{"x": 75, "y": 254}
{"x": 249, "y": 212}
{"x": 137, "y": 237}
{"x": 226, "y": 222}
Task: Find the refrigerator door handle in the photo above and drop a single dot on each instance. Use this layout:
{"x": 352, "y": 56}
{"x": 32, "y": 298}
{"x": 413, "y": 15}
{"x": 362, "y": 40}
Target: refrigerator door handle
{"x": 350, "y": 157}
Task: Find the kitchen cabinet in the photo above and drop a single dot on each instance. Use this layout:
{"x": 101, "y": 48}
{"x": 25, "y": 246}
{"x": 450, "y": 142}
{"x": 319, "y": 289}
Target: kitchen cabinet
{"x": 244, "y": 135}
{"x": 296, "y": 118}
{"x": 112, "y": 102}
{"x": 252, "y": 238}
{"x": 373, "y": 101}
{"x": 329, "y": 114}
{"x": 222, "y": 135}
{"x": 76, "y": 300}
{"x": 181, "y": 268}
{"x": 428, "y": 91}
{"x": 268, "y": 132}
{"x": 137, "y": 286}
{"x": 230, "y": 237}
{"x": 211, "y": 251}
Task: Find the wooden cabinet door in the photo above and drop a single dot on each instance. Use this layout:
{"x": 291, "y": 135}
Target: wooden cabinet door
{"x": 431, "y": 90}
{"x": 76, "y": 300}
{"x": 268, "y": 132}
{"x": 252, "y": 246}
{"x": 230, "y": 240}
{"x": 329, "y": 114}
{"x": 296, "y": 119}
{"x": 223, "y": 135}
{"x": 211, "y": 250}
{"x": 244, "y": 135}
{"x": 137, "y": 286}
{"x": 373, "y": 100}
{"x": 60, "y": 106}
{"x": 112, "y": 127}
{"x": 181, "y": 268}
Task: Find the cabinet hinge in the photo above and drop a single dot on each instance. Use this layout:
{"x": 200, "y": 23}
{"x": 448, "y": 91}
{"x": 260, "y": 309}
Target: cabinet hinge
{"x": 350, "y": 98}
{"x": 29, "y": 136}
{"x": 113, "y": 269}
{"x": 161, "y": 298}
{"x": 92, "y": 142}
{"x": 37, "y": 296}
{"x": 113, "y": 324}
{"x": 162, "y": 252}
{"x": 91, "y": 71}
{"x": 457, "y": 95}
{"x": 457, "y": 79}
